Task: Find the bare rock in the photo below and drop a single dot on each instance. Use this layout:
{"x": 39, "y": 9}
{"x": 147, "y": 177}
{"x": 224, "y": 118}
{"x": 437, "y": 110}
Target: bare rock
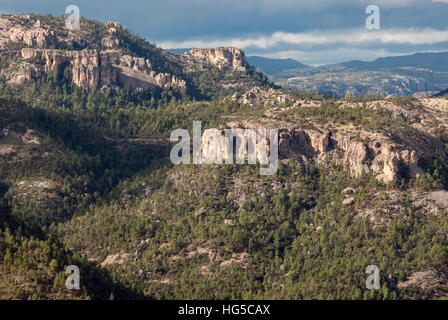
{"x": 378, "y": 156}
{"x": 116, "y": 259}
{"x": 200, "y": 212}
{"x": 427, "y": 280}
{"x": 89, "y": 68}
{"x": 34, "y": 35}
{"x": 222, "y": 57}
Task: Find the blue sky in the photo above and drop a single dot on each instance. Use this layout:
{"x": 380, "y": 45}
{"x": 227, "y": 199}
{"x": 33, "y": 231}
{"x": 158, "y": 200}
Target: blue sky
{"x": 313, "y": 32}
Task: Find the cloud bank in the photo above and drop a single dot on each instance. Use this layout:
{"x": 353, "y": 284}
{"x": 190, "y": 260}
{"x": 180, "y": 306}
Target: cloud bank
{"x": 412, "y": 36}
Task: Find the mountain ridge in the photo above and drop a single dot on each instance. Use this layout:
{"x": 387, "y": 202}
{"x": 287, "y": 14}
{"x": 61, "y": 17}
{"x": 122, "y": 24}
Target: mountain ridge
{"x": 397, "y": 75}
{"x": 272, "y": 65}
{"x": 435, "y": 61}
{"x": 86, "y": 178}
{"x": 109, "y": 55}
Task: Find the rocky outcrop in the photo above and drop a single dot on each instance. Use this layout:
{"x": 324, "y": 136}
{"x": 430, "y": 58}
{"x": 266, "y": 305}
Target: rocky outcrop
{"x": 116, "y": 259}
{"x": 112, "y": 39}
{"x": 109, "y": 56}
{"x": 29, "y": 34}
{"x": 263, "y": 97}
{"x": 379, "y": 157}
{"x": 384, "y": 159}
{"x": 23, "y": 72}
{"x": 89, "y": 68}
{"x": 430, "y": 280}
{"x": 86, "y": 68}
{"x": 138, "y": 72}
{"x": 222, "y": 57}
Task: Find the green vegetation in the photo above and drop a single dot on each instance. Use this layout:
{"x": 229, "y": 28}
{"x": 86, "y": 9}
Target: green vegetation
{"x": 301, "y": 243}
{"x": 110, "y": 194}
{"x": 33, "y": 267}
{"x": 85, "y": 179}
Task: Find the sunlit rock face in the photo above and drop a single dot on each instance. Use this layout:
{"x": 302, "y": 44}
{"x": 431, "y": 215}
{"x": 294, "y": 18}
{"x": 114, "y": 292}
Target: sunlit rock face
{"x": 379, "y": 157}
{"x": 88, "y": 68}
{"x": 223, "y": 57}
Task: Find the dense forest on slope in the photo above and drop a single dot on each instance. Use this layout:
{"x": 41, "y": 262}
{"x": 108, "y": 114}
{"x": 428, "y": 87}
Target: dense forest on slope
{"x": 85, "y": 179}
{"x": 110, "y": 193}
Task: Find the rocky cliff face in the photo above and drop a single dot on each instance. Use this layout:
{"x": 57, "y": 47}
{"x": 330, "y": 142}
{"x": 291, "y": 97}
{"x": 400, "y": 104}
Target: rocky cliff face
{"x": 88, "y": 68}
{"x": 222, "y": 57}
{"x": 388, "y": 154}
{"x": 383, "y": 159}
{"x": 26, "y": 30}
{"x": 101, "y": 55}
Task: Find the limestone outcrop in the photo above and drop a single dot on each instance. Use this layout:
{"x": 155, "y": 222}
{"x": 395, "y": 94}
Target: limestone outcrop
{"x": 260, "y": 96}
{"x": 88, "y": 68}
{"x": 222, "y": 57}
{"x": 380, "y": 157}
{"x": 32, "y": 34}
{"x": 107, "y": 56}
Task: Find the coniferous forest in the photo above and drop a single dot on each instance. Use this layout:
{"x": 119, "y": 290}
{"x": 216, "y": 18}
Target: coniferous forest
{"x": 86, "y": 180}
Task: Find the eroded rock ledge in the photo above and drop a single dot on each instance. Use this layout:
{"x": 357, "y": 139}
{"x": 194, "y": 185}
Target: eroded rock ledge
{"x": 384, "y": 159}
{"x": 222, "y": 57}
{"x": 88, "y": 68}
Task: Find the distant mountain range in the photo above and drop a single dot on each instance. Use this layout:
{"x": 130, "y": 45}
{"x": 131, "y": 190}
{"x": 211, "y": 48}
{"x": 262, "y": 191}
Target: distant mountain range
{"x": 432, "y": 61}
{"x": 274, "y": 65}
{"x": 262, "y": 63}
{"x": 180, "y": 50}
{"x": 420, "y": 73}
{"x": 441, "y": 93}
{"x": 89, "y": 184}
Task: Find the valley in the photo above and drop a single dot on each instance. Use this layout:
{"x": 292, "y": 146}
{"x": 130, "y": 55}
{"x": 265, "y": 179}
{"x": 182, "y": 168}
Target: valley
{"x": 86, "y": 177}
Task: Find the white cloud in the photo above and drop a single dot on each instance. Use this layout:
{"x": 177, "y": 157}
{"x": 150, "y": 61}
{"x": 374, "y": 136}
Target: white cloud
{"x": 411, "y": 36}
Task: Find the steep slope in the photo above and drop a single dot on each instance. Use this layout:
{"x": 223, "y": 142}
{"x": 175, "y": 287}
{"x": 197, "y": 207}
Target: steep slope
{"x": 33, "y": 267}
{"x": 353, "y": 176}
{"x": 109, "y": 56}
{"x": 55, "y": 164}
{"x": 85, "y": 178}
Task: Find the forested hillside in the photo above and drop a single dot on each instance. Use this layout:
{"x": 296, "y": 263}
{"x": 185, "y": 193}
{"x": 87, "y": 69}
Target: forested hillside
{"x": 86, "y": 180}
